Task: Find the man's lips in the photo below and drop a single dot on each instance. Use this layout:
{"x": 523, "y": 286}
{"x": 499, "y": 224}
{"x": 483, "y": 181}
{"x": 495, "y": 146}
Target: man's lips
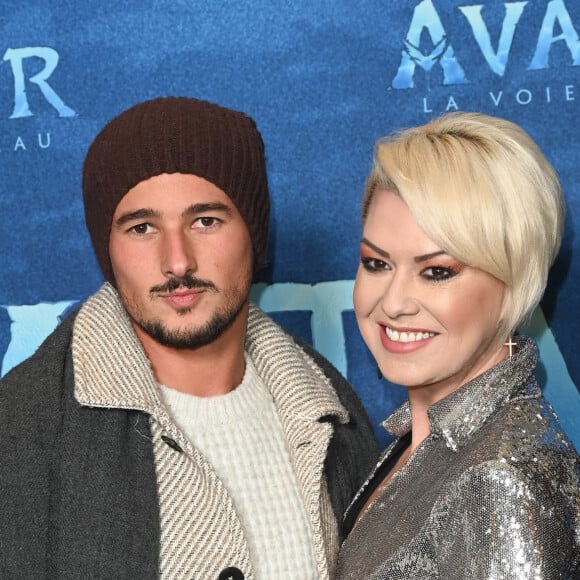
{"x": 183, "y": 297}
{"x": 182, "y": 284}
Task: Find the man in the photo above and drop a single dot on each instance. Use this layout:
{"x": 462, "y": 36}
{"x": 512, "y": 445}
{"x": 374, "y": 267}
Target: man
{"x": 169, "y": 427}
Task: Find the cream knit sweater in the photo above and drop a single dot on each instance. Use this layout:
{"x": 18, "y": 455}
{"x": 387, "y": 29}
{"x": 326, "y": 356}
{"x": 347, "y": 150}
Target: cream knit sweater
{"x": 241, "y": 436}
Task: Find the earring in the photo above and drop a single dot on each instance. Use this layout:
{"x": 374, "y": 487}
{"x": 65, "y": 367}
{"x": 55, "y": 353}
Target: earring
{"x": 510, "y": 344}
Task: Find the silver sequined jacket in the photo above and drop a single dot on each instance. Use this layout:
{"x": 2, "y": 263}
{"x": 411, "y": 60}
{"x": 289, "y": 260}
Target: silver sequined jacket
{"x": 492, "y": 493}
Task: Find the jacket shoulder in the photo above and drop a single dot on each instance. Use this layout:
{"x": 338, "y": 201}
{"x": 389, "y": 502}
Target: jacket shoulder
{"x": 28, "y": 381}
{"x": 353, "y": 449}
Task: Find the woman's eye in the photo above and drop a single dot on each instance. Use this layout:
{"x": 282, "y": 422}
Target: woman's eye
{"x": 439, "y": 273}
{"x": 374, "y": 264}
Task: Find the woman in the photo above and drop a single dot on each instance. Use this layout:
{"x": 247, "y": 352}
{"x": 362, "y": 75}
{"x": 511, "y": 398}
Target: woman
{"x": 462, "y": 219}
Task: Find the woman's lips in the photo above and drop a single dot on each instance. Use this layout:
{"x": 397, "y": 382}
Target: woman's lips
{"x": 401, "y": 341}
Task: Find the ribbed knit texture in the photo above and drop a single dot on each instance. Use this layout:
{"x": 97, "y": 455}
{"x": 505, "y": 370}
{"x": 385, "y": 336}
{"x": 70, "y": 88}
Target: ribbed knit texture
{"x": 242, "y": 437}
{"x": 201, "y": 531}
{"x": 176, "y": 135}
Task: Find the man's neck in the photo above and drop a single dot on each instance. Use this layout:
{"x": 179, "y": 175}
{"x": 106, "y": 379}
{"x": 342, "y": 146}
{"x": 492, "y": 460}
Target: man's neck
{"x": 207, "y": 371}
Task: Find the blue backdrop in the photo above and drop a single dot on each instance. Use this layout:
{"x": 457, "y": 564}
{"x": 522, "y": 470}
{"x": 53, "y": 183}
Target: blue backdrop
{"x": 323, "y": 80}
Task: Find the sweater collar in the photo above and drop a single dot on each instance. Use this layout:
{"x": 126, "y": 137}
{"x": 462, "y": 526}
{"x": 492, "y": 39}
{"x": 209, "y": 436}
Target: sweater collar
{"x": 112, "y": 370}
{"x": 462, "y": 413}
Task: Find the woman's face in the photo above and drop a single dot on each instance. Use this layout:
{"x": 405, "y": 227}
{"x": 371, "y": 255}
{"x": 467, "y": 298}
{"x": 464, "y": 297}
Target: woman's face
{"x": 429, "y": 320}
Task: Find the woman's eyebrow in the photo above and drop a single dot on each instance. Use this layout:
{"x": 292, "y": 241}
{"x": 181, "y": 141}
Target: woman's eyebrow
{"x": 417, "y": 259}
{"x": 375, "y": 248}
{"x": 429, "y": 256}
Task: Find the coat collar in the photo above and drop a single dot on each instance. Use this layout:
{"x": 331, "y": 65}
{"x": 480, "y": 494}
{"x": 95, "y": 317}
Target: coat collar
{"x": 462, "y": 413}
{"x": 112, "y": 370}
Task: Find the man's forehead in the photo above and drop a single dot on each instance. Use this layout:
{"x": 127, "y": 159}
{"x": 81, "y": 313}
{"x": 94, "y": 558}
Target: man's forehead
{"x": 176, "y": 193}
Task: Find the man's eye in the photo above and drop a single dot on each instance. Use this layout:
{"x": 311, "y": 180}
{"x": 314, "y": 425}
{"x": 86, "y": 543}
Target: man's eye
{"x": 439, "y": 273}
{"x": 206, "y": 222}
{"x": 374, "y": 264}
{"x": 141, "y": 229}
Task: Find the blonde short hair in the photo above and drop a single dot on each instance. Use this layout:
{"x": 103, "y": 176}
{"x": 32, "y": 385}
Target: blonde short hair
{"x": 482, "y": 190}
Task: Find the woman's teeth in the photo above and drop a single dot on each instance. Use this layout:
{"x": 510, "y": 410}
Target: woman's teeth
{"x": 396, "y": 336}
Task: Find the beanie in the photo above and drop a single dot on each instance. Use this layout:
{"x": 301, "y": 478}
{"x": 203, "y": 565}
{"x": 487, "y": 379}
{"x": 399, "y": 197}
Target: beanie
{"x": 176, "y": 135}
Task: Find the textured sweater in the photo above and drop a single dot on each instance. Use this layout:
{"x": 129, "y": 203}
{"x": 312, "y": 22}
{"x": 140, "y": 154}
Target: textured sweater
{"x": 242, "y": 437}
{"x": 87, "y": 490}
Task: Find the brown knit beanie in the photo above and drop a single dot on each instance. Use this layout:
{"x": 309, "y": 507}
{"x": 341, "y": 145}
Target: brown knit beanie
{"x": 176, "y": 135}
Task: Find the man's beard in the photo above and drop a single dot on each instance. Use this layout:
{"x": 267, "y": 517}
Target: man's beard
{"x": 197, "y": 337}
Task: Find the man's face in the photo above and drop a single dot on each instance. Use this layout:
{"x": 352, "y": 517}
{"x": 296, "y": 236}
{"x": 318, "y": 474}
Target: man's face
{"x": 182, "y": 259}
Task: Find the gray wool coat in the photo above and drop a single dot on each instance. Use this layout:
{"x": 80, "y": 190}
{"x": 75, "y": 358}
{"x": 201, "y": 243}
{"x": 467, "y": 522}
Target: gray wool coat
{"x": 78, "y": 489}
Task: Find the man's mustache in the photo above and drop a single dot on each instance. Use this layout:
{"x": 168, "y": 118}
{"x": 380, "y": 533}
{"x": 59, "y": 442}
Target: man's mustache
{"x": 187, "y": 281}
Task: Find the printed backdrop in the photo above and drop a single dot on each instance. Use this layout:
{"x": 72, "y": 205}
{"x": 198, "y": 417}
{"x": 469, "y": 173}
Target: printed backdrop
{"x": 323, "y": 80}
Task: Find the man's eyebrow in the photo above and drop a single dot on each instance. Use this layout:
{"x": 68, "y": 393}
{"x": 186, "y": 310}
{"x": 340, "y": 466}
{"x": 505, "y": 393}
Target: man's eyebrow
{"x": 194, "y": 209}
{"x": 205, "y": 207}
{"x": 376, "y": 248}
{"x": 138, "y": 214}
